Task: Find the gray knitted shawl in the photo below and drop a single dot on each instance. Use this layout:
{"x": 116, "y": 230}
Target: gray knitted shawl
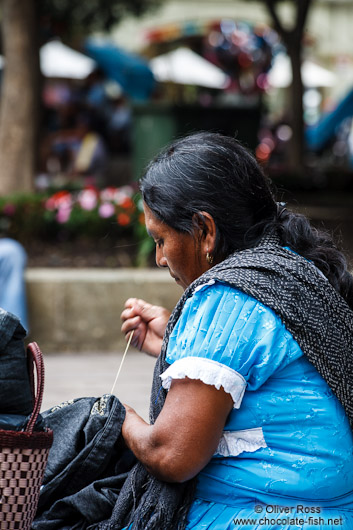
{"x": 314, "y": 313}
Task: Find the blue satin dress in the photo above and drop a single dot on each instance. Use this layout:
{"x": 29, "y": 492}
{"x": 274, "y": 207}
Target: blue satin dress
{"x": 285, "y": 459}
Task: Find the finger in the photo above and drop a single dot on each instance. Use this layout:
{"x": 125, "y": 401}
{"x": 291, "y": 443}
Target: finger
{"x": 137, "y": 341}
{"x": 137, "y": 338}
{"x": 127, "y": 313}
{"x": 147, "y": 311}
{"x": 134, "y": 336}
{"x": 139, "y": 328}
{"x": 130, "y": 302}
{"x": 133, "y": 307}
{"x": 137, "y": 307}
{"x": 128, "y": 408}
{"x": 131, "y": 324}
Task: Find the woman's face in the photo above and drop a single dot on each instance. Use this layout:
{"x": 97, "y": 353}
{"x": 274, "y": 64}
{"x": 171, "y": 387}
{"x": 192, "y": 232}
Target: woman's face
{"x": 180, "y": 252}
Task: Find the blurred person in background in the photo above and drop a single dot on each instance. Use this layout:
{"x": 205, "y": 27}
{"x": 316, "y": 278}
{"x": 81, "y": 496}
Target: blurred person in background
{"x": 13, "y": 261}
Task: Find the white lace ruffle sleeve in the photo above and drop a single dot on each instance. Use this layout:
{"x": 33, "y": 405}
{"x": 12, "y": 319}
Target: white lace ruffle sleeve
{"x": 209, "y": 372}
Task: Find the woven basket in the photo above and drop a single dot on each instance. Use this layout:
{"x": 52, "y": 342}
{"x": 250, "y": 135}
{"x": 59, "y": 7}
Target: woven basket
{"x": 23, "y": 457}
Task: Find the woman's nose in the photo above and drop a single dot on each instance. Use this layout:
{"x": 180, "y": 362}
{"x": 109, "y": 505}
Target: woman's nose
{"x": 160, "y": 259}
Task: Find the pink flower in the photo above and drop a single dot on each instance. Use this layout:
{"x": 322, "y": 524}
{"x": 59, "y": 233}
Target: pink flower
{"x": 108, "y": 194}
{"x": 50, "y": 204}
{"x": 87, "y": 199}
{"x": 106, "y": 209}
{"x": 63, "y": 214}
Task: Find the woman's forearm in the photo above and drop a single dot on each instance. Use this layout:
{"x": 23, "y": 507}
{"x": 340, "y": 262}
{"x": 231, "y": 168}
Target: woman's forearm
{"x": 151, "y": 448}
{"x": 186, "y": 433}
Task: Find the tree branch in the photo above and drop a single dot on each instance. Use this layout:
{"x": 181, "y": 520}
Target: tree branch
{"x": 302, "y": 12}
{"x": 275, "y": 18}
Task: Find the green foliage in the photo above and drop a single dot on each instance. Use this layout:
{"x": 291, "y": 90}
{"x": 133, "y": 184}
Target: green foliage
{"x": 146, "y": 249}
{"x": 21, "y": 215}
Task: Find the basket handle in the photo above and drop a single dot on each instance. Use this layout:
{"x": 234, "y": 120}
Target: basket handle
{"x": 35, "y": 358}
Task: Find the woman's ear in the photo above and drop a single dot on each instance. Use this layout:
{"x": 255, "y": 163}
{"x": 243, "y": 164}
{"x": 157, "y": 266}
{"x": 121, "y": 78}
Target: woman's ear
{"x": 207, "y": 232}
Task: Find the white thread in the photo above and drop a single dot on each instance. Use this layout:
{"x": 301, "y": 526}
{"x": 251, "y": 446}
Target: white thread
{"x": 122, "y": 360}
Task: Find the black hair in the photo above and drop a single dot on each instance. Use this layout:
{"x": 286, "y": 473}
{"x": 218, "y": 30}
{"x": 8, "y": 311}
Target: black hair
{"x": 214, "y": 173}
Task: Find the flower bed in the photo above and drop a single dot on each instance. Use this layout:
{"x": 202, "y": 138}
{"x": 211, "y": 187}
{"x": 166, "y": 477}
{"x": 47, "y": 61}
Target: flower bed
{"x": 107, "y": 222}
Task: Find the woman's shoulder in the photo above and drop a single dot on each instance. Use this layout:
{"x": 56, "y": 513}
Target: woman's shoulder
{"x": 221, "y": 324}
{"x": 221, "y": 296}
{"x": 220, "y": 307}
{"x": 220, "y": 318}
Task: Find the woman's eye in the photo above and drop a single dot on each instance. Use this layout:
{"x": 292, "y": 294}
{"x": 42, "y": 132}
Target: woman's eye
{"x": 159, "y": 243}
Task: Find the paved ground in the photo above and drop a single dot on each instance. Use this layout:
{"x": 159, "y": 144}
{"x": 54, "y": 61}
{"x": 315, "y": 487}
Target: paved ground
{"x": 74, "y": 375}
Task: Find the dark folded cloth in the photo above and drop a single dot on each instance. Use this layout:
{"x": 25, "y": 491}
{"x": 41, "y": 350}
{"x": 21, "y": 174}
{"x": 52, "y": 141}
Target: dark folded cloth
{"x": 87, "y": 466}
{"x": 15, "y": 389}
{"x": 18, "y": 422}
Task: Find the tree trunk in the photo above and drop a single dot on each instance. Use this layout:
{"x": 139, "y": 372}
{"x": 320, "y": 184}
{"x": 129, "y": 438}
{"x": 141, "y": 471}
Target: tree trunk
{"x": 296, "y": 152}
{"x": 20, "y": 96}
{"x": 293, "y": 41}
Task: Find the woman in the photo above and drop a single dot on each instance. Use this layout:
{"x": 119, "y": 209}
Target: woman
{"x": 252, "y": 427}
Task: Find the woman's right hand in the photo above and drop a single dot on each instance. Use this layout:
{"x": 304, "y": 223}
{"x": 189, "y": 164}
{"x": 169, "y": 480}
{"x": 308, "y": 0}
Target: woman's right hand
{"x": 148, "y": 323}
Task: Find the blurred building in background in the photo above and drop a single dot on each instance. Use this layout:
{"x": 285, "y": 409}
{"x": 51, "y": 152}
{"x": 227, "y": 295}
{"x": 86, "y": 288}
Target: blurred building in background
{"x": 228, "y": 34}
{"x": 195, "y": 64}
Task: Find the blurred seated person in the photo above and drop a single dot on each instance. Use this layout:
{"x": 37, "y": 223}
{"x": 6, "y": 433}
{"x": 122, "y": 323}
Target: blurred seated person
{"x": 78, "y": 150}
{"x": 13, "y": 261}
{"x": 119, "y": 120}
{"x": 94, "y": 92}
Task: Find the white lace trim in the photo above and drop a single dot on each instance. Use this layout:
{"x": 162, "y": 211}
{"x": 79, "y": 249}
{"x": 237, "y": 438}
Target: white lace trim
{"x": 209, "y": 372}
{"x": 233, "y": 443}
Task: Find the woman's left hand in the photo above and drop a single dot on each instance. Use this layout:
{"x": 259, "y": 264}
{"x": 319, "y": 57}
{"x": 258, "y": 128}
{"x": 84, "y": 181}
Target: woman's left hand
{"x": 186, "y": 433}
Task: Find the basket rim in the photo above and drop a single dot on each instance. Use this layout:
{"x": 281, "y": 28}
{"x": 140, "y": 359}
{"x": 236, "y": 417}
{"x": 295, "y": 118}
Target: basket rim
{"x": 26, "y": 440}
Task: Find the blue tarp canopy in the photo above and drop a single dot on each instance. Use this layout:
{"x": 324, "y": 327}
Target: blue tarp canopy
{"x": 129, "y": 70}
{"x": 317, "y": 136}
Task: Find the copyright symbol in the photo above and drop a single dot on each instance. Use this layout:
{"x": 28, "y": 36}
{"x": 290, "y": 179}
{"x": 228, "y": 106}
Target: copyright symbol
{"x": 258, "y": 508}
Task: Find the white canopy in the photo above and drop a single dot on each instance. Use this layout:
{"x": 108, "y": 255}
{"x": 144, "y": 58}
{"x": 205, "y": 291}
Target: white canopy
{"x": 313, "y": 75}
{"x": 58, "y": 60}
{"x": 185, "y": 67}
